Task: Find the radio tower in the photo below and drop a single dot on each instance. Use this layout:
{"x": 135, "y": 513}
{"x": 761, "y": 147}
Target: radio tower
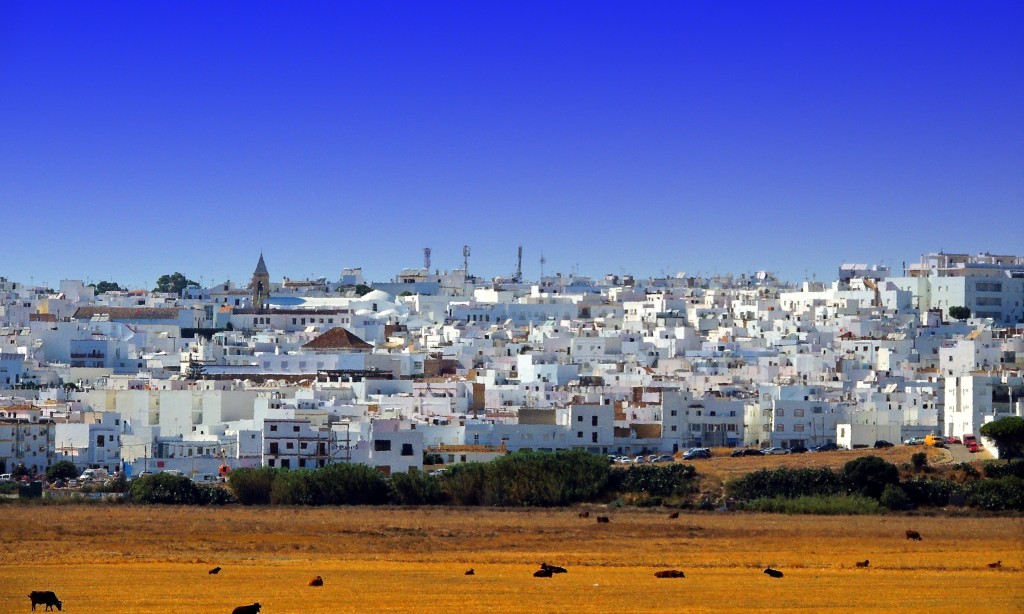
{"x": 465, "y": 260}
{"x": 426, "y": 259}
{"x": 519, "y": 266}
{"x": 542, "y": 261}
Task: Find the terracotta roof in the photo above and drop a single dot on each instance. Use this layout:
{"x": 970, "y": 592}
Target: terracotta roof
{"x": 338, "y": 338}
{"x": 128, "y": 313}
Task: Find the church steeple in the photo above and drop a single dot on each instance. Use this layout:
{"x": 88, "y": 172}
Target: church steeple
{"x": 260, "y": 285}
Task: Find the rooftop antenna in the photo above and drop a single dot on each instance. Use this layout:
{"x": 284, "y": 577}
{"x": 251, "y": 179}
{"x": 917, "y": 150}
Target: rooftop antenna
{"x": 519, "y": 266}
{"x": 465, "y": 260}
{"x": 426, "y": 259}
{"x": 543, "y": 261}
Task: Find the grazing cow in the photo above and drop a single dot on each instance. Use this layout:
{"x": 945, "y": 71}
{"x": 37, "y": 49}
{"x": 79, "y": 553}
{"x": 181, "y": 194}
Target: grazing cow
{"x": 317, "y": 581}
{"x": 584, "y": 514}
{"x": 913, "y": 535}
{"x": 669, "y": 573}
{"x": 47, "y": 598}
{"x": 774, "y": 573}
{"x": 863, "y": 563}
{"x": 247, "y": 609}
{"x": 542, "y": 573}
{"x": 674, "y": 515}
{"x": 603, "y": 519}
{"x": 995, "y": 565}
{"x": 215, "y": 571}
{"x": 470, "y": 572}
{"x": 553, "y": 568}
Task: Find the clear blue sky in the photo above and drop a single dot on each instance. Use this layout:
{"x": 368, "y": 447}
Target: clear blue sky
{"x": 142, "y": 138}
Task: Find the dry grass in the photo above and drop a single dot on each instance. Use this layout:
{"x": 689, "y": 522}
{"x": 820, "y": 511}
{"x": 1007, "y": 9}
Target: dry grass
{"x": 150, "y": 559}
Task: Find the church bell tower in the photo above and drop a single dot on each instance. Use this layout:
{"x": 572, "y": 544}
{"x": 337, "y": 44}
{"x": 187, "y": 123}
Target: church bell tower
{"x": 260, "y": 285}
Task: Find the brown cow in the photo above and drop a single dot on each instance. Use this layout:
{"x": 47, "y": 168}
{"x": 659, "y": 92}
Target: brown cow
{"x": 215, "y": 571}
{"x": 863, "y": 563}
{"x": 995, "y": 565}
{"x": 603, "y": 519}
{"x": 47, "y": 598}
{"x": 669, "y": 573}
{"x": 470, "y": 572}
{"x": 913, "y": 535}
{"x": 247, "y": 609}
{"x": 674, "y": 515}
{"x": 317, "y": 581}
{"x": 584, "y": 514}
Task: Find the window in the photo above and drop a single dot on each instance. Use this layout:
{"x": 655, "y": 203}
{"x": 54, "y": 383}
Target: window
{"x": 381, "y": 445}
{"x": 593, "y": 421}
{"x": 673, "y": 429}
{"x": 579, "y": 434}
{"x": 273, "y": 447}
{"x": 799, "y": 428}
{"x": 406, "y": 449}
{"x": 579, "y": 418}
{"x": 290, "y": 445}
{"x": 593, "y": 437}
{"x": 270, "y": 463}
{"x": 295, "y": 429}
{"x": 286, "y": 463}
{"x": 302, "y": 462}
{"x": 779, "y": 428}
{"x": 799, "y": 413}
{"x": 672, "y": 413}
{"x": 273, "y": 427}
{"x": 780, "y": 412}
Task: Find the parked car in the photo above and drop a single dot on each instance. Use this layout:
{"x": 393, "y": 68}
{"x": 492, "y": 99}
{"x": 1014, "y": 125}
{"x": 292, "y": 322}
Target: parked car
{"x": 954, "y": 440}
{"x": 665, "y": 458}
{"x": 881, "y": 443}
{"x": 825, "y": 447}
{"x": 6, "y": 478}
{"x": 797, "y": 450}
{"x": 639, "y": 459}
{"x": 913, "y": 441}
{"x": 776, "y": 450}
{"x": 746, "y": 452}
{"x": 697, "y": 453}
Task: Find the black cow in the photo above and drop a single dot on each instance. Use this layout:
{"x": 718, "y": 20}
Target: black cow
{"x": 247, "y": 609}
{"x": 317, "y": 581}
{"x": 553, "y": 568}
{"x": 470, "y": 572}
{"x": 603, "y": 519}
{"x": 584, "y": 514}
{"x": 995, "y": 565}
{"x": 214, "y": 571}
{"x": 913, "y": 535}
{"x": 47, "y": 598}
{"x": 774, "y": 573}
{"x": 542, "y": 573}
{"x": 669, "y": 573}
{"x": 674, "y": 515}
{"x": 863, "y": 563}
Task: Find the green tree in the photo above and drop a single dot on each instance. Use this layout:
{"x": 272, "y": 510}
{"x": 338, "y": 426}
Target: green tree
{"x": 1008, "y": 435}
{"x": 62, "y": 470}
{"x": 107, "y": 286}
{"x": 894, "y": 498}
{"x": 919, "y": 460}
{"x": 959, "y": 313}
{"x": 195, "y": 371}
{"x": 19, "y": 471}
{"x": 363, "y": 289}
{"x": 869, "y": 475}
{"x": 175, "y": 283}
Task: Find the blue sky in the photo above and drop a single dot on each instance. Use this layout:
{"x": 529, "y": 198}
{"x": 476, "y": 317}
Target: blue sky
{"x": 138, "y": 139}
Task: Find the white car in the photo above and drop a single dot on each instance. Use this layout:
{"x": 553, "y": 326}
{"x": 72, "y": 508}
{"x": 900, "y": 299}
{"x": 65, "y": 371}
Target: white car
{"x": 776, "y": 451}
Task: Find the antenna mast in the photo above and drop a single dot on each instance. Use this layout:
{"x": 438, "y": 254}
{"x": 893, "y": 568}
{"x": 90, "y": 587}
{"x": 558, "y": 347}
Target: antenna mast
{"x": 426, "y": 259}
{"x": 519, "y": 266}
{"x": 465, "y": 260}
{"x": 543, "y": 260}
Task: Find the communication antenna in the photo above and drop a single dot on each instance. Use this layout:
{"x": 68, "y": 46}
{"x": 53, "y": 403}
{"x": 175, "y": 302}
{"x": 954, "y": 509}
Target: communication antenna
{"x": 465, "y": 259}
{"x": 426, "y": 259}
{"x": 519, "y": 266}
{"x": 543, "y": 261}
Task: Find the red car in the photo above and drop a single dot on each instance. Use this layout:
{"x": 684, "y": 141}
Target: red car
{"x": 952, "y": 440}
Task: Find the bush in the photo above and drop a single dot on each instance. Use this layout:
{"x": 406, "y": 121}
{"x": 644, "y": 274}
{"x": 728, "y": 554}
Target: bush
{"x": 464, "y": 483}
{"x": 996, "y": 469}
{"x": 1006, "y": 493}
{"x": 61, "y": 470}
{"x": 968, "y": 469}
{"x": 655, "y": 480}
{"x": 837, "y": 505}
{"x": 919, "y": 460}
{"x": 869, "y": 475}
{"x": 931, "y": 492}
{"x": 894, "y": 498}
{"x": 165, "y": 488}
{"x": 252, "y": 486}
{"x": 350, "y": 484}
{"x": 790, "y": 483}
{"x": 416, "y": 488}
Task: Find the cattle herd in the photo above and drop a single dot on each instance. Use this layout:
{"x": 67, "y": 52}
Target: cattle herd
{"x": 49, "y": 598}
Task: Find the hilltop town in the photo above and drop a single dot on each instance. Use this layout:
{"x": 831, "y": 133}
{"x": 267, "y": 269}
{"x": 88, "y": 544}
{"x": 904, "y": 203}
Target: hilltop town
{"x": 447, "y": 366}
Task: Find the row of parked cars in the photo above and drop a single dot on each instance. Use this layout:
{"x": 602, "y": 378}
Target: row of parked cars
{"x": 638, "y": 460}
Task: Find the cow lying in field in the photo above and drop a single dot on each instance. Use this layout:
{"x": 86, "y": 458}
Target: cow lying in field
{"x": 47, "y": 598}
{"x": 863, "y": 563}
{"x": 553, "y": 568}
{"x": 603, "y": 519}
{"x": 542, "y": 573}
{"x": 669, "y": 573}
{"x": 247, "y": 609}
{"x": 317, "y": 581}
{"x": 773, "y": 573}
{"x": 214, "y": 571}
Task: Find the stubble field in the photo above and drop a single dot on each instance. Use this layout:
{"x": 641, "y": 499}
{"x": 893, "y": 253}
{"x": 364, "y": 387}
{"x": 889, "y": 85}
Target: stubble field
{"x": 123, "y": 558}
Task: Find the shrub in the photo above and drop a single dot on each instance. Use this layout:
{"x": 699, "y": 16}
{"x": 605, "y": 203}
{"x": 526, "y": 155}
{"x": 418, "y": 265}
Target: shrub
{"x": 464, "y": 483}
{"x": 996, "y": 469}
{"x": 931, "y": 492}
{"x": 655, "y": 480}
{"x": 894, "y": 498}
{"x": 771, "y": 483}
{"x": 837, "y": 505}
{"x": 919, "y": 460}
{"x": 350, "y": 484}
{"x": 969, "y": 470}
{"x": 1006, "y": 493}
{"x": 869, "y": 475}
{"x": 252, "y": 486}
{"x": 165, "y": 488}
{"x": 416, "y": 488}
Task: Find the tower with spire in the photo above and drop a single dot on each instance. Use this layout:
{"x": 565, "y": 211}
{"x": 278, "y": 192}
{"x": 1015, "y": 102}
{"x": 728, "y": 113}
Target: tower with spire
{"x": 260, "y": 285}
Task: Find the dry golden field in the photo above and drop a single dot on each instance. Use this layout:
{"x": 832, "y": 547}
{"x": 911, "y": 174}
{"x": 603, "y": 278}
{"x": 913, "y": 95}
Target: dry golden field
{"x": 122, "y": 558}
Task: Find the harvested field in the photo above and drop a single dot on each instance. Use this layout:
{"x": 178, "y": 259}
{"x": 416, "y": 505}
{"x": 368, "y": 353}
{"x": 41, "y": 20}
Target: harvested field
{"x": 124, "y": 558}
